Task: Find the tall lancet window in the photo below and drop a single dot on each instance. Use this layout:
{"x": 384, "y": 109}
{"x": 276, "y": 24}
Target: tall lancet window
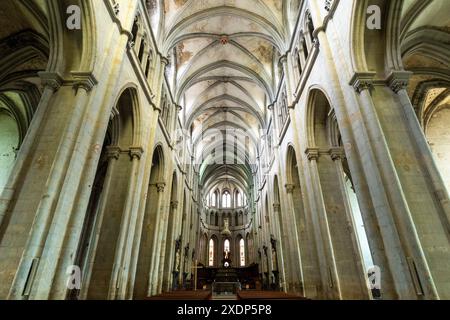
{"x": 238, "y": 199}
{"x": 211, "y": 253}
{"x": 242, "y": 252}
{"x": 226, "y": 200}
{"x": 226, "y": 246}
{"x": 214, "y": 199}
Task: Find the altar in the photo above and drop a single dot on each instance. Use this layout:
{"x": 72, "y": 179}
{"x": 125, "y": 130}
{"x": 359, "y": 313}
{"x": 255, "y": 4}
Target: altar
{"x": 228, "y": 279}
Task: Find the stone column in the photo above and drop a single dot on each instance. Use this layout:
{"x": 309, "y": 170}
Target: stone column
{"x": 159, "y": 77}
{"x": 162, "y": 239}
{"x": 155, "y": 253}
{"x": 337, "y": 154}
{"x": 45, "y": 221}
{"x": 169, "y": 245}
{"x": 51, "y": 82}
{"x": 288, "y": 79}
{"x": 327, "y": 261}
{"x": 398, "y": 82}
{"x": 139, "y": 39}
{"x": 286, "y": 250}
{"x": 113, "y": 154}
{"x": 119, "y": 278}
{"x": 291, "y": 236}
{"x": 144, "y": 61}
{"x": 390, "y": 226}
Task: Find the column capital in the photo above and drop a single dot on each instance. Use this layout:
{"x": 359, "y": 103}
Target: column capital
{"x": 53, "y": 80}
{"x": 292, "y": 106}
{"x": 337, "y": 153}
{"x": 283, "y": 58}
{"x": 312, "y": 153}
{"x": 136, "y": 152}
{"x": 84, "y": 80}
{"x": 289, "y": 187}
{"x": 113, "y": 152}
{"x": 160, "y": 186}
{"x": 328, "y": 4}
{"x": 165, "y": 61}
{"x": 316, "y": 43}
{"x": 362, "y": 81}
{"x": 116, "y": 8}
{"x": 174, "y": 205}
{"x": 398, "y": 80}
{"x": 276, "y": 207}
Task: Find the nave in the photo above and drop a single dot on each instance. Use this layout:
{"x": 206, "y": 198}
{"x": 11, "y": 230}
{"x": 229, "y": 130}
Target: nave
{"x": 251, "y": 148}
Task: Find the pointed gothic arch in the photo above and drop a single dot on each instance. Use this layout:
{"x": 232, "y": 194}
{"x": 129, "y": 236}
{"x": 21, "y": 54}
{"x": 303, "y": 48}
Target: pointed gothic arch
{"x": 119, "y": 144}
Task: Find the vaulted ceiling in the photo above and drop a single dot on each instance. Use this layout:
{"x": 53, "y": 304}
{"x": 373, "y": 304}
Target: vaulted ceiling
{"x": 223, "y": 72}
{"x": 25, "y": 49}
{"x": 425, "y": 43}
{"x": 224, "y": 69}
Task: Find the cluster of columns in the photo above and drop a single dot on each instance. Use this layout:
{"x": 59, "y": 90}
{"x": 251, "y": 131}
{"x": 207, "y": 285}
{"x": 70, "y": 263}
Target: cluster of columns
{"x": 43, "y": 207}
{"x": 400, "y": 191}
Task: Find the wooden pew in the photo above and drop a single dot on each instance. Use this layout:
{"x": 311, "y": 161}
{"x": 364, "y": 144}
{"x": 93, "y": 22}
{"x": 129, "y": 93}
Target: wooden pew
{"x": 183, "y": 295}
{"x": 267, "y": 295}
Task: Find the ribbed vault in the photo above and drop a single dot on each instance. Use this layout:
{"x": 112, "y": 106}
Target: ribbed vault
{"x": 222, "y": 55}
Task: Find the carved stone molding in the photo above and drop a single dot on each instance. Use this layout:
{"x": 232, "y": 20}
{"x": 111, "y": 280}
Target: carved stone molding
{"x": 84, "y": 80}
{"x": 174, "y": 205}
{"x": 114, "y": 113}
{"x": 312, "y": 153}
{"x": 337, "y": 153}
{"x": 292, "y": 106}
{"x": 113, "y": 152}
{"x": 289, "y": 187}
{"x": 160, "y": 186}
{"x": 224, "y": 39}
{"x": 136, "y": 152}
{"x": 398, "y": 80}
{"x": 116, "y": 7}
{"x": 283, "y": 58}
{"x": 53, "y": 80}
{"x": 165, "y": 61}
{"x": 316, "y": 43}
{"x": 362, "y": 81}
